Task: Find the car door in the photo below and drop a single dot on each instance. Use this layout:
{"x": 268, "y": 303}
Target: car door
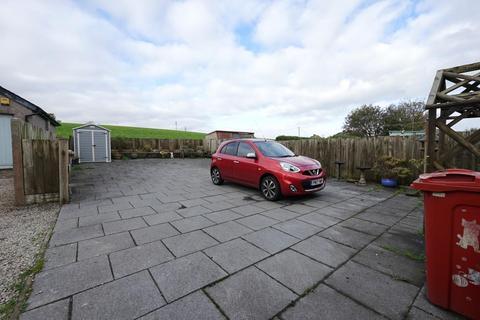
{"x": 225, "y": 159}
{"x": 245, "y": 169}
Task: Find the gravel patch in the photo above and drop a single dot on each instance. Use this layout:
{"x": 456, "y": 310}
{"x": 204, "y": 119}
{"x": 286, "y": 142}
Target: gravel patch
{"x": 22, "y": 232}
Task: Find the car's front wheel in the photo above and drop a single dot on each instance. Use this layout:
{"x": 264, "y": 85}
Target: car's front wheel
{"x": 270, "y": 188}
{"x": 216, "y": 176}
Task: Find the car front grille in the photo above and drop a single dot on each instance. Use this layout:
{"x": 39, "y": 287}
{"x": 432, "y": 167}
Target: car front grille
{"x": 313, "y": 172}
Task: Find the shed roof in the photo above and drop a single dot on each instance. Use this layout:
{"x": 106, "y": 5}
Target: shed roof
{"x": 27, "y": 104}
{"x": 89, "y": 124}
{"x": 230, "y": 131}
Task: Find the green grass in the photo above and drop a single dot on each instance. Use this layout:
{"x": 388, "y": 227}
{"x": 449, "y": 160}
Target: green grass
{"x": 65, "y": 131}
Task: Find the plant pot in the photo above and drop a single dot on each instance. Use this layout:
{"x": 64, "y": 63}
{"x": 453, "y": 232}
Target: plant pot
{"x": 389, "y": 182}
{"x": 133, "y": 155}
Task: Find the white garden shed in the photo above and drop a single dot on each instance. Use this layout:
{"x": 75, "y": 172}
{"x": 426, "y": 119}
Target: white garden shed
{"x": 92, "y": 143}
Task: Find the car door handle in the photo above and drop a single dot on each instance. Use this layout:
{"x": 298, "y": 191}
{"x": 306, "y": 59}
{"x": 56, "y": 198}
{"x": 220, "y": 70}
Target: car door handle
{"x": 236, "y": 161}
{"x": 218, "y": 158}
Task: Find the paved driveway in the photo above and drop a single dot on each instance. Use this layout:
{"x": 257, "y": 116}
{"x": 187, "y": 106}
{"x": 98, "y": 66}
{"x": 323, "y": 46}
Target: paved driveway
{"x": 155, "y": 239}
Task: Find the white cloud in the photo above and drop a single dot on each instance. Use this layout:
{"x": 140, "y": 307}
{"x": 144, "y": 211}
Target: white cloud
{"x": 270, "y": 67}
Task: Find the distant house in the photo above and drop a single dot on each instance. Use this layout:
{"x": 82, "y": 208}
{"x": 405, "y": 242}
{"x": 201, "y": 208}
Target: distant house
{"x": 14, "y": 106}
{"x": 224, "y": 135}
{"x": 406, "y": 133}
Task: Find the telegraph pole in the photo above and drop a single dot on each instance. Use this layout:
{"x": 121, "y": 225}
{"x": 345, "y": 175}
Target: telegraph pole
{"x": 298, "y": 131}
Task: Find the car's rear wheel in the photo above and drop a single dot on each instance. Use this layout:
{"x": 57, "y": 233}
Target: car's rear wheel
{"x": 270, "y": 188}
{"x": 216, "y": 176}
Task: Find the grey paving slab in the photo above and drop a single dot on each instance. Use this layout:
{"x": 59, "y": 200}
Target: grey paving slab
{"x": 223, "y": 216}
{"x": 153, "y": 233}
{"x": 381, "y": 218}
{"x": 348, "y": 237}
{"x": 83, "y": 212}
{"x": 189, "y": 242}
{"x": 162, "y": 217}
{"x": 193, "y": 202}
{"x": 271, "y": 240}
{"x": 235, "y": 254}
{"x": 299, "y": 208}
{"x": 142, "y": 203}
{"x": 138, "y": 258}
{"x": 193, "y": 223}
{"x": 227, "y": 231}
{"x": 77, "y": 234}
{"x": 423, "y": 304}
{"x": 419, "y": 314}
{"x": 59, "y": 256}
{"x": 364, "y": 226}
{"x": 257, "y": 221}
{"x": 125, "y": 199}
{"x": 326, "y": 303}
{"x": 218, "y": 206}
{"x": 103, "y": 245}
{"x": 325, "y": 251}
{"x": 194, "y": 306}
{"x": 402, "y": 242}
{"x": 98, "y": 219}
{"x": 318, "y": 203}
{"x": 115, "y": 207}
{"x": 338, "y": 213}
{"x": 193, "y": 211}
{"x": 294, "y": 270}
{"x": 268, "y": 205}
{"x": 171, "y": 198}
{"x": 184, "y": 275}
{"x": 136, "y": 212}
{"x": 297, "y": 228}
{"x": 355, "y": 205}
{"x": 280, "y": 214}
{"x": 247, "y": 210}
{"x": 250, "y": 294}
{"x": 61, "y": 282}
{"x": 123, "y": 225}
{"x": 55, "y": 311}
{"x": 374, "y": 289}
{"x": 66, "y": 224}
{"x": 166, "y": 207}
{"x": 126, "y": 298}
{"x": 319, "y": 220}
{"x": 398, "y": 266}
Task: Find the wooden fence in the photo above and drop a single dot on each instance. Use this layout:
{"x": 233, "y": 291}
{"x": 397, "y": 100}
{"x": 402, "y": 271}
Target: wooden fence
{"x": 40, "y": 165}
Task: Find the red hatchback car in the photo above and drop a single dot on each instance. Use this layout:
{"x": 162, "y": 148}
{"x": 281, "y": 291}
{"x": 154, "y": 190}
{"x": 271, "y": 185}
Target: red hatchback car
{"x": 267, "y": 165}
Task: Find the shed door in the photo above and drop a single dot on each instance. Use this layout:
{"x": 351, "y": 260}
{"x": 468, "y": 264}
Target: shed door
{"x": 85, "y": 143}
{"x": 100, "y": 146}
{"x": 6, "y": 159}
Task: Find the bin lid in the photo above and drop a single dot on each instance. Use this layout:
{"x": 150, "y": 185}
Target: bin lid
{"x": 448, "y": 180}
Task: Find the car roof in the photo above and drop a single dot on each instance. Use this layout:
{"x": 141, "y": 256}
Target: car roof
{"x": 247, "y": 139}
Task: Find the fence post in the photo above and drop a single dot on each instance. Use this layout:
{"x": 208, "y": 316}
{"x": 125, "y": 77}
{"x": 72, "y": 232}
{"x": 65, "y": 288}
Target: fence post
{"x": 19, "y": 187}
{"x": 63, "y": 175}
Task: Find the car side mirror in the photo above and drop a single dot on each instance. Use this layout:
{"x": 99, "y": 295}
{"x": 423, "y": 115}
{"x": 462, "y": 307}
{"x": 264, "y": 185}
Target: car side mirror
{"x": 251, "y": 155}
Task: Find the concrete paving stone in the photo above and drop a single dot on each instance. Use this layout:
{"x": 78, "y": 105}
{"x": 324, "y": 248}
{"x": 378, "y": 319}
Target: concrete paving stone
{"x": 319, "y": 220}
{"x": 299, "y": 208}
{"x": 82, "y": 212}
{"x": 280, "y": 214}
{"x": 77, "y": 234}
{"x": 355, "y": 205}
{"x": 223, "y": 216}
{"x": 125, "y": 200}
{"x": 235, "y": 255}
{"x": 137, "y": 212}
{"x": 247, "y": 210}
{"x": 399, "y": 267}
{"x": 171, "y": 198}
{"x": 142, "y": 203}
{"x": 348, "y": 237}
{"x": 381, "y": 218}
{"x": 326, "y": 251}
{"x": 103, "y": 245}
{"x": 123, "y": 225}
{"x": 94, "y": 203}
{"x": 153, "y": 233}
{"x": 271, "y": 240}
{"x": 369, "y": 227}
{"x": 67, "y": 224}
{"x": 268, "y": 205}
{"x": 297, "y": 228}
{"x": 166, "y": 207}
{"x": 294, "y": 270}
{"x": 193, "y": 211}
{"x": 184, "y": 275}
{"x": 422, "y": 303}
{"x": 55, "y": 311}
{"x": 326, "y": 303}
{"x": 218, "y": 206}
{"x": 336, "y": 212}
{"x": 257, "y": 222}
{"x": 163, "y": 217}
{"x": 250, "y": 294}
{"x": 227, "y": 231}
{"x": 318, "y": 203}
{"x": 190, "y": 195}
{"x": 115, "y": 207}
{"x": 193, "y": 202}
{"x": 59, "y": 256}
{"x": 152, "y": 195}
{"x": 216, "y": 198}
{"x": 418, "y": 314}
{"x": 98, "y": 219}
{"x": 138, "y": 258}
{"x": 125, "y": 298}
{"x": 402, "y": 242}
{"x": 193, "y": 223}
{"x": 374, "y": 289}
{"x": 194, "y": 306}
{"x": 61, "y": 282}
{"x": 189, "y": 242}
{"x": 108, "y": 194}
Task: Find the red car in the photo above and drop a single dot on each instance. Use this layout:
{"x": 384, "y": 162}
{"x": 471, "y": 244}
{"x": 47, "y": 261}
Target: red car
{"x": 267, "y": 165}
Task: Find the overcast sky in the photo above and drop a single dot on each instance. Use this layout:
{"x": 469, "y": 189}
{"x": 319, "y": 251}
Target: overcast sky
{"x": 263, "y": 66}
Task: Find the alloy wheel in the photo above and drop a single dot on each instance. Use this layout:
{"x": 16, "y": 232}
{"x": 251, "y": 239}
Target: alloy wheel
{"x": 269, "y": 188}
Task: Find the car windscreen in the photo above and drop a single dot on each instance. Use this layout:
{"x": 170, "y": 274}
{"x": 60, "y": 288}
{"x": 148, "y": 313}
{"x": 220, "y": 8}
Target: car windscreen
{"x": 273, "y": 149}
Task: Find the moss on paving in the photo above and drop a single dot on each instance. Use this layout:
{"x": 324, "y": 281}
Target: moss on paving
{"x": 406, "y": 253}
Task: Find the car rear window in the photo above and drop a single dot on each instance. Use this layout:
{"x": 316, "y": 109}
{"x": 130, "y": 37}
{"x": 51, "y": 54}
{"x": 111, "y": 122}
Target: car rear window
{"x": 230, "y": 148}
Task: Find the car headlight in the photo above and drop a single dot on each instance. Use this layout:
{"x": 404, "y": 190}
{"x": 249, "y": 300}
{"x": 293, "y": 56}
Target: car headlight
{"x": 318, "y": 162}
{"x": 289, "y": 167}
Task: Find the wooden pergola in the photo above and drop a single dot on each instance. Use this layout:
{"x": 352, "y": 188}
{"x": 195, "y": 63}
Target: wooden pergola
{"x": 455, "y": 95}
